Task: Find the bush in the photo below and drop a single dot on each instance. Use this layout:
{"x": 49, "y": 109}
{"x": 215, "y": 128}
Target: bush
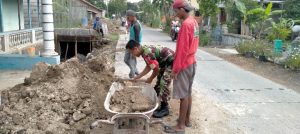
{"x": 155, "y": 22}
{"x": 114, "y": 37}
{"x": 205, "y": 39}
{"x": 244, "y": 47}
{"x": 280, "y": 30}
{"x": 257, "y": 47}
{"x": 167, "y": 26}
{"x": 232, "y": 27}
{"x": 293, "y": 61}
{"x": 279, "y": 34}
{"x": 262, "y": 48}
{"x": 292, "y": 9}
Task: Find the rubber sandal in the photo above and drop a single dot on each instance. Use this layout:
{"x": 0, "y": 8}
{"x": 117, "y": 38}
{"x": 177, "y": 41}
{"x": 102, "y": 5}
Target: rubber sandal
{"x": 171, "y": 130}
{"x": 187, "y": 125}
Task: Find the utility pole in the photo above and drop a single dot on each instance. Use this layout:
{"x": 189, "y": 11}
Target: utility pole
{"x": 106, "y": 1}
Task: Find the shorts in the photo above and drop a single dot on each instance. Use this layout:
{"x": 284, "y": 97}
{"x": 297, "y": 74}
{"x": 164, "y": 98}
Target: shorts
{"x": 182, "y": 86}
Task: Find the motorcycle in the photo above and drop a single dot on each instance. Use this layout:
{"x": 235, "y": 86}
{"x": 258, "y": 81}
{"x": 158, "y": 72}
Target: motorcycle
{"x": 174, "y": 32}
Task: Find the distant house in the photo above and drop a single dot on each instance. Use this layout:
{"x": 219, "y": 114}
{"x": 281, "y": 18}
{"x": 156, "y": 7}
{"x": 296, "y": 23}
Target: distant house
{"x": 223, "y": 16}
{"x": 20, "y": 20}
{"x": 92, "y": 11}
{"x": 15, "y": 28}
{"x": 12, "y": 15}
{"x": 70, "y": 13}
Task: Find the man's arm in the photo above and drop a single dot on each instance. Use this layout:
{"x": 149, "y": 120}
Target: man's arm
{"x": 137, "y": 30}
{"x": 146, "y": 70}
{"x": 153, "y": 75}
{"x": 182, "y": 49}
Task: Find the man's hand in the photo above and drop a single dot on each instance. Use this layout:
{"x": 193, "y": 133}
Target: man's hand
{"x": 174, "y": 75}
{"x": 149, "y": 81}
{"x": 134, "y": 79}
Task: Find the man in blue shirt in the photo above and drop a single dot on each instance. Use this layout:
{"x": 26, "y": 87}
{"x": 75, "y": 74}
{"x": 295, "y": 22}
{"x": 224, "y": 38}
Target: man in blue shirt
{"x": 98, "y": 26}
{"x": 136, "y": 35}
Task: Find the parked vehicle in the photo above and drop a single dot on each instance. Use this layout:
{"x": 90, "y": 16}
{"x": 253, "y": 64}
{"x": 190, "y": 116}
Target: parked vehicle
{"x": 174, "y": 32}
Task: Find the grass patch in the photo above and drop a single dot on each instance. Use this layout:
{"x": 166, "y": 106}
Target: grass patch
{"x": 114, "y": 37}
{"x": 205, "y": 39}
{"x": 3, "y": 131}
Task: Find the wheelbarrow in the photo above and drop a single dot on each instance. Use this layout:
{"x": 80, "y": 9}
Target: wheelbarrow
{"x": 130, "y": 123}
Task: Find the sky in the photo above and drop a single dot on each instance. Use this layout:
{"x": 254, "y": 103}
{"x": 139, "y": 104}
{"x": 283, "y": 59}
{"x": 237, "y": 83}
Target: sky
{"x": 133, "y": 1}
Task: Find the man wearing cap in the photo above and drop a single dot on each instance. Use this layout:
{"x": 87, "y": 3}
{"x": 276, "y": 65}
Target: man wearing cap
{"x": 184, "y": 64}
{"x": 136, "y": 35}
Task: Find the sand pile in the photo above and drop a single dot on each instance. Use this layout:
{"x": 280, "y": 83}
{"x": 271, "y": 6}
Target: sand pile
{"x": 131, "y": 100}
{"x": 59, "y": 99}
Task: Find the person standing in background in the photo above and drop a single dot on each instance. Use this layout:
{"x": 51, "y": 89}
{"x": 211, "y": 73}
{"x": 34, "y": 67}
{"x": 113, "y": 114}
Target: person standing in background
{"x": 136, "y": 35}
{"x": 98, "y": 26}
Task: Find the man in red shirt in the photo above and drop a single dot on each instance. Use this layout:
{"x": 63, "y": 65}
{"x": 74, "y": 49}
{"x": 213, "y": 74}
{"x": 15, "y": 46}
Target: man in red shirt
{"x": 184, "y": 64}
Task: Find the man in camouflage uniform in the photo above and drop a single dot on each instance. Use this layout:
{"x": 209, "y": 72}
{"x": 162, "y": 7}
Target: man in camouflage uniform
{"x": 160, "y": 60}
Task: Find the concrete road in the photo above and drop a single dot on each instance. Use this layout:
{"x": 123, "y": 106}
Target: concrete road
{"x": 10, "y": 78}
{"x": 255, "y": 105}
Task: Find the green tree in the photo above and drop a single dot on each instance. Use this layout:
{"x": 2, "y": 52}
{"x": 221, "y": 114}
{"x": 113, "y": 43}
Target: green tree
{"x": 261, "y": 16}
{"x": 163, "y": 5}
{"x": 237, "y": 9}
{"x": 132, "y": 6}
{"x": 292, "y": 9}
{"x": 117, "y": 7}
{"x": 208, "y": 7}
{"x": 98, "y": 3}
{"x": 165, "y": 10}
{"x": 280, "y": 30}
{"x": 240, "y": 6}
{"x": 150, "y": 13}
{"x": 145, "y": 6}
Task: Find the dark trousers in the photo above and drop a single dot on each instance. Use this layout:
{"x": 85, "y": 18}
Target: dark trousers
{"x": 162, "y": 86}
{"x": 100, "y": 31}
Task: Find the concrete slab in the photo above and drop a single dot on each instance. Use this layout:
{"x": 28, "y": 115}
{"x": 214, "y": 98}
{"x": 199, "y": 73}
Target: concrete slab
{"x": 24, "y": 62}
{"x": 231, "y": 51}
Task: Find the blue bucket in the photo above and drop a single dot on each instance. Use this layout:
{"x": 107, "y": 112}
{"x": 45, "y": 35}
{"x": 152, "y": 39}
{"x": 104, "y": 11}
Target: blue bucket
{"x": 84, "y": 22}
{"x": 278, "y": 46}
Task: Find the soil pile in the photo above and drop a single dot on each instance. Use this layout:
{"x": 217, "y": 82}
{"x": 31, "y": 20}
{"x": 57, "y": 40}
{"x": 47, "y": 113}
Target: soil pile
{"x": 131, "y": 100}
{"x": 59, "y": 99}
{"x": 114, "y": 26}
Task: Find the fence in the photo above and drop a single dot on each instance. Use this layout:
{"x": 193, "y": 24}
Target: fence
{"x": 1, "y": 40}
{"x": 234, "y": 39}
{"x": 17, "y": 38}
{"x": 38, "y": 34}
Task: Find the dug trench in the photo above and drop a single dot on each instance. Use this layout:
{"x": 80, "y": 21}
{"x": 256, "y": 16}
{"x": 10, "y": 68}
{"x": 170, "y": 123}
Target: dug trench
{"x": 60, "y": 99}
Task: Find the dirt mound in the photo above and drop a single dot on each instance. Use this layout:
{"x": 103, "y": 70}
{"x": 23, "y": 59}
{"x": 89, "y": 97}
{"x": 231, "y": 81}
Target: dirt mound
{"x": 114, "y": 26}
{"x": 59, "y": 99}
{"x": 130, "y": 100}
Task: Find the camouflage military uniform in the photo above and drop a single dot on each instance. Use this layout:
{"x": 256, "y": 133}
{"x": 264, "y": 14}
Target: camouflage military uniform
{"x": 160, "y": 58}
